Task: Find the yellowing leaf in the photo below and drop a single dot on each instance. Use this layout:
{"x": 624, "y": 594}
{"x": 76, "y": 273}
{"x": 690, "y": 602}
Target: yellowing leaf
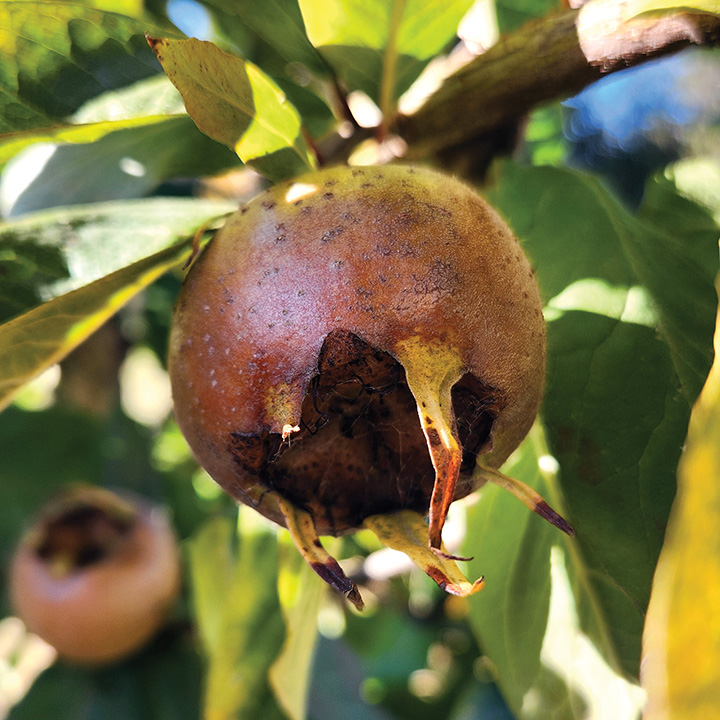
{"x": 235, "y": 103}
{"x": 681, "y": 667}
{"x": 381, "y": 46}
{"x": 36, "y": 340}
{"x": 639, "y": 7}
{"x": 301, "y": 594}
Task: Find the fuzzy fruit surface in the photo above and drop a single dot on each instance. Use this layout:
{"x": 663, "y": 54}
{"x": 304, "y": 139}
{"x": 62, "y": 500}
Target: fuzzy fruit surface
{"x": 312, "y": 333}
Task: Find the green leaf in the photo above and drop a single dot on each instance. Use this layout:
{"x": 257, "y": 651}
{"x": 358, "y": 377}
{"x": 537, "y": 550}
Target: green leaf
{"x": 163, "y": 682}
{"x": 280, "y": 24}
{"x": 682, "y": 619}
{"x": 144, "y": 103}
{"x": 301, "y": 594}
{"x": 238, "y": 614}
{"x": 14, "y": 143}
{"x": 53, "y": 252}
{"x": 58, "y": 55}
{"x": 697, "y": 178}
{"x": 511, "y": 14}
{"x": 639, "y": 7}
{"x": 43, "y": 336}
{"x": 130, "y": 162}
{"x": 275, "y": 41}
{"x": 538, "y": 603}
{"x": 614, "y": 413}
{"x": 235, "y": 103}
{"x": 381, "y": 47}
{"x": 574, "y": 229}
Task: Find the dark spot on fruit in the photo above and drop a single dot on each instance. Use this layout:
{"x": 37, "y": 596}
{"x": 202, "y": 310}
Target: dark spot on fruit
{"x": 328, "y": 196}
{"x": 268, "y": 204}
{"x": 328, "y": 235}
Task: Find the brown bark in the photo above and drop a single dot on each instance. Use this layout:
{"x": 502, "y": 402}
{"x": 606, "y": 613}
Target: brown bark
{"x": 551, "y": 58}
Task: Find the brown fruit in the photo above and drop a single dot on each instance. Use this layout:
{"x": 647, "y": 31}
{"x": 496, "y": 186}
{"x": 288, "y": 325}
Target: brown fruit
{"x": 96, "y": 575}
{"x": 341, "y": 325}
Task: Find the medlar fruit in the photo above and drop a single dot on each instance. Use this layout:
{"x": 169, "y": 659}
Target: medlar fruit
{"x": 356, "y": 343}
{"x": 96, "y": 575}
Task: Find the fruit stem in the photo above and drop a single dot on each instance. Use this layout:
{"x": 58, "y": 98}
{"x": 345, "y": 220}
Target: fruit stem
{"x": 526, "y": 495}
{"x": 302, "y": 530}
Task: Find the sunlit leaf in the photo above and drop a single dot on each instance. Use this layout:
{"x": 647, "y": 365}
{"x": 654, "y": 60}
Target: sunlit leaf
{"x": 235, "y": 103}
{"x": 682, "y": 637}
{"x": 58, "y": 55}
{"x": 43, "y": 336}
{"x": 280, "y": 24}
{"x": 238, "y": 615}
{"x": 614, "y": 414}
{"x": 127, "y": 163}
{"x": 272, "y": 35}
{"x": 12, "y": 144}
{"x": 301, "y": 594}
{"x": 377, "y": 46}
{"x": 698, "y": 178}
{"x": 532, "y": 617}
{"x": 638, "y": 7}
{"x": 53, "y": 252}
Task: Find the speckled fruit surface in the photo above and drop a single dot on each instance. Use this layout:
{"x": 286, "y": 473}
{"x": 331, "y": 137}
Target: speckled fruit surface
{"x": 343, "y": 332}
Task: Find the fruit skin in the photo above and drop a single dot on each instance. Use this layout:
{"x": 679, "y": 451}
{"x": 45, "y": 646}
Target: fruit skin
{"x": 394, "y": 256}
{"x": 101, "y": 610}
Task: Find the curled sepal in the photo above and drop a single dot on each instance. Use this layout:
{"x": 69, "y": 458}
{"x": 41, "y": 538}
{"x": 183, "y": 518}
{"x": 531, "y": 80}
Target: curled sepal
{"x": 407, "y": 531}
{"x": 526, "y": 495}
{"x": 431, "y": 370}
{"x": 301, "y": 525}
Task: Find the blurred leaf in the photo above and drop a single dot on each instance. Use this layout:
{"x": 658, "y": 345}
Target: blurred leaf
{"x": 511, "y": 549}
{"x": 12, "y": 144}
{"x": 235, "y": 103}
{"x": 301, "y": 594}
{"x": 58, "y": 55}
{"x": 144, "y": 103}
{"x": 682, "y": 620}
{"x": 698, "y": 178}
{"x": 538, "y": 606}
{"x": 238, "y": 615}
{"x": 638, "y": 7}
{"x": 511, "y": 14}
{"x": 130, "y": 162}
{"x": 43, "y": 336}
{"x": 162, "y": 682}
{"x": 615, "y": 417}
{"x": 377, "y": 46}
{"x": 53, "y": 252}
